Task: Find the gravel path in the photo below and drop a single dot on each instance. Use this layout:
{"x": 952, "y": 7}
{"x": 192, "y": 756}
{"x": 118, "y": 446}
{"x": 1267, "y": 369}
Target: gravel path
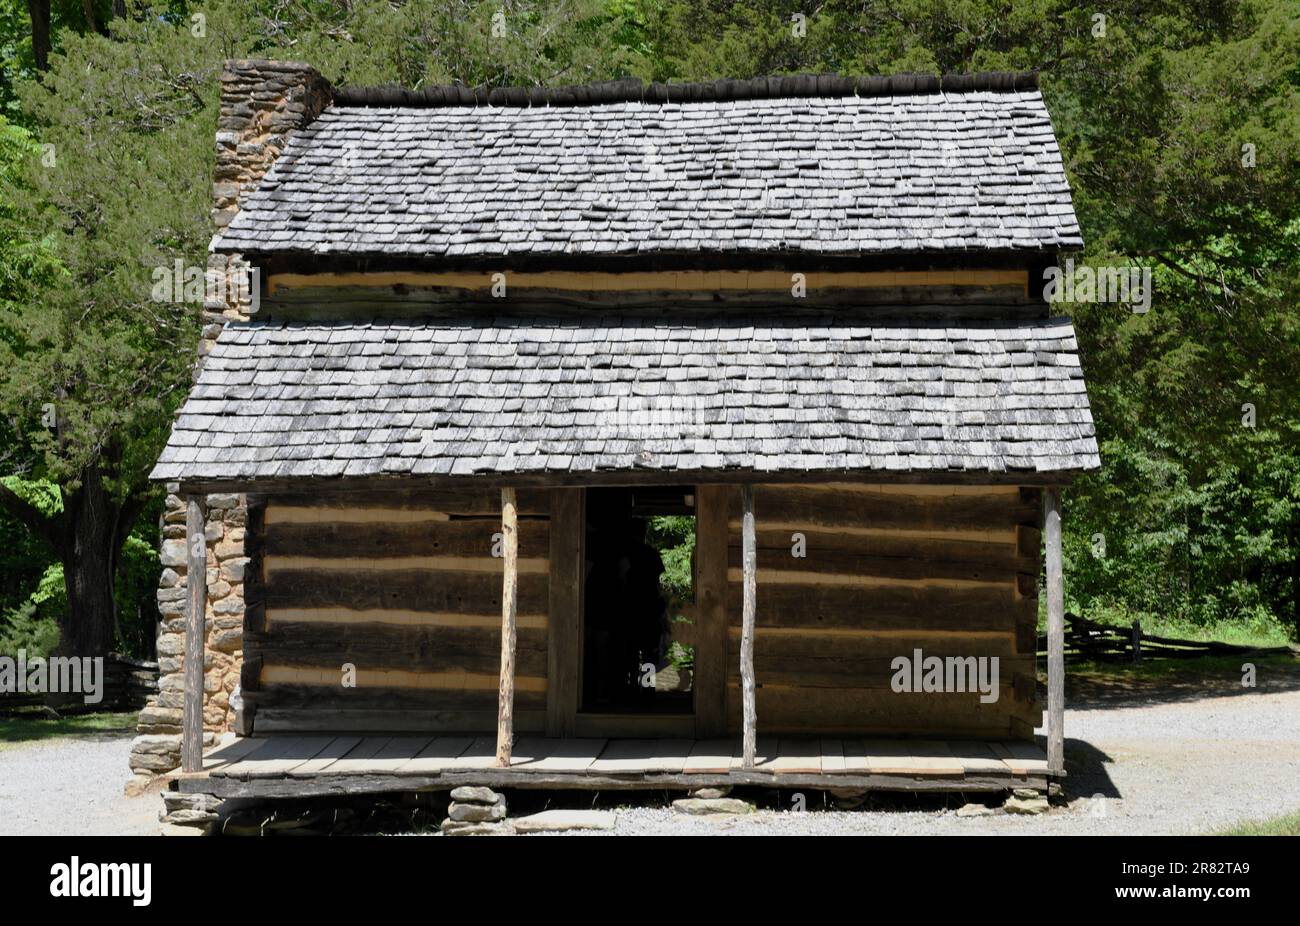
{"x": 72, "y": 787}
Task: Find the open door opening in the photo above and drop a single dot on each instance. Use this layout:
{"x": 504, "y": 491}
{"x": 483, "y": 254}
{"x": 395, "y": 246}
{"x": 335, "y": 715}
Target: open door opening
{"x": 639, "y": 586}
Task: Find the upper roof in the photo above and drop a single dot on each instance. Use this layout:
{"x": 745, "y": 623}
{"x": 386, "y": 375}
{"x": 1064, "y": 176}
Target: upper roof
{"x": 894, "y": 166}
{"x": 537, "y": 396}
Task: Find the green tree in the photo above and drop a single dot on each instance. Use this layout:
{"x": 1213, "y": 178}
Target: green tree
{"x": 90, "y": 367}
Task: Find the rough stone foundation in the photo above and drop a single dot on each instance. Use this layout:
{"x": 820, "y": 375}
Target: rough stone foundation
{"x": 157, "y": 748}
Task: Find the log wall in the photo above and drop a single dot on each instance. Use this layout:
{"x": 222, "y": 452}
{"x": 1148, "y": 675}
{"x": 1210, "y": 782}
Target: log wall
{"x": 951, "y": 570}
{"x": 406, "y": 589}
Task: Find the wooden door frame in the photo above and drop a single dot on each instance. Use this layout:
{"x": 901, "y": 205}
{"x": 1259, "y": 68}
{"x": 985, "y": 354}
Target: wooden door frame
{"x": 565, "y": 637}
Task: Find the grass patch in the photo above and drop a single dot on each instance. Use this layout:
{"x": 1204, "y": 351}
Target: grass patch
{"x": 34, "y": 727}
{"x": 1261, "y": 633}
{"x": 1155, "y": 669}
{"x": 1288, "y": 825}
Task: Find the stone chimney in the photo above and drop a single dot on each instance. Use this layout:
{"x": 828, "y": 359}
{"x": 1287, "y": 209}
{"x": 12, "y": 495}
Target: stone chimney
{"x": 262, "y": 103}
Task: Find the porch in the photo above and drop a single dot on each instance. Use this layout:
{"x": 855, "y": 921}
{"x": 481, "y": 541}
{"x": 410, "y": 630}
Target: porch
{"x": 308, "y": 766}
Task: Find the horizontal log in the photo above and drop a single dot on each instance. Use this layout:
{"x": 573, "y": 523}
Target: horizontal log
{"x": 414, "y": 589}
{"x": 462, "y": 537}
{"x": 970, "y": 608}
{"x": 400, "y": 498}
{"x": 876, "y": 488}
{"x": 311, "y": 488}
{"x": 839, "y": 507}
{"x": 815, "y": 643}
{"x": 989, "y": 549}
{"x": 402, "y": 284}
{"x": 435, "y": 648}
{"x": 376, "y": 721}
{"x": 865, "y": 711}
{"x": 332, "y": 565}
{"x": 330, "y": 677}
{"x": 774, "y": 562}
{"x": 281, "y": 696}
{"x": 875, "y": 674}
{"x": 406, "y": 618}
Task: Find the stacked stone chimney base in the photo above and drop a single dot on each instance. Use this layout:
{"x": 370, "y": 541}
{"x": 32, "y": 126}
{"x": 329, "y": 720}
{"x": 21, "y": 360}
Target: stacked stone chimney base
{"x": 157, "y": 747}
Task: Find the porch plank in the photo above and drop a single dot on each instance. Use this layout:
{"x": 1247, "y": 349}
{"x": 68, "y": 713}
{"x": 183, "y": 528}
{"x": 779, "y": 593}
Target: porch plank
{"x": 301, "y": 757}
{"x": 765, "y": 752}
{"x": 671, "y": 756}
{"x": 933, "y": 757}
{"x": 798, "y": 757}
{"x": 337, "y": 749}
{"x": 359, "y": 758}
{"x": 977, "y": 758}
{"x": 397, "y": 752}
{"x": 299, "y": 749}
{"x": 832, "y": 757}
{"x": 229, "y": 753}
{"x": 625, "y": 757}
{"x": 710, "y": 757}
{"x": 888, "y": 757}
{"x": 856, "y": 761}
{"x": 481, "y": 754}
{"x": 436, "y": 756}
{"x": 570, "y": 755}
{"x": 1022, "y": 758}
{"x": 529, "y": 750}
{"x": 268, "y": 750}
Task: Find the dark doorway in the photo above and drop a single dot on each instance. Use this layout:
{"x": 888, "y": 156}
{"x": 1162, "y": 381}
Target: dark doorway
{"x": 638, "y": 581}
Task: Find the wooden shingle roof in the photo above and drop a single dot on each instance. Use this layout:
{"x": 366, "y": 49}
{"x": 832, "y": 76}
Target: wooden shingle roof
{"x": 514, "y": 395}
{"x": 896, "y": 167}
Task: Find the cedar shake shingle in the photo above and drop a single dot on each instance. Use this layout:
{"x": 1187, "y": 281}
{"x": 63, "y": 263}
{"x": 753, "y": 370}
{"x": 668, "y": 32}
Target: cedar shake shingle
{"x": 534, "y": 395}
{"x": 907, "y": 174}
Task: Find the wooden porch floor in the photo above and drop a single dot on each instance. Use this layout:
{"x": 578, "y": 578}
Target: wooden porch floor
{"x": 303, "y": 766}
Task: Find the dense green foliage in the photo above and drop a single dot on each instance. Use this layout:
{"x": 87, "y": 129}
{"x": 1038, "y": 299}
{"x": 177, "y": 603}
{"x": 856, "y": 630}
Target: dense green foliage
{"x": 1199, "y": 513}
{"x": 674, "y": 537}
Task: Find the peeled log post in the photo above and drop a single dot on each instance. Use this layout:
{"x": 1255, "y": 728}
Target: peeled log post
{"x": 509, "y": 589}
{"x": 749, "y": 563}
{"x": 1055, "y": 632}
{"x": 196, "y": 581}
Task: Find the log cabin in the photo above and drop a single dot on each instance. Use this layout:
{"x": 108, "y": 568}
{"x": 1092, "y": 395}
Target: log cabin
{"x": 498, "y": 332}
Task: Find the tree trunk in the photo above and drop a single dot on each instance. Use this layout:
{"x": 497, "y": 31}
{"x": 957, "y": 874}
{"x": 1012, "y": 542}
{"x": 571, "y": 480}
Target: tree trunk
{"x": 39, "y": 10}
{"x": 90, "y": 555}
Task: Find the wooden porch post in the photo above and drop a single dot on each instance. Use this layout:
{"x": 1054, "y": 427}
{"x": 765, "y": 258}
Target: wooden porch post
{"x": 196, "y": 582}
{"x": 509, "y": 589}
{"x": 749, "y": 563}
{"x": 1055, "y": 632}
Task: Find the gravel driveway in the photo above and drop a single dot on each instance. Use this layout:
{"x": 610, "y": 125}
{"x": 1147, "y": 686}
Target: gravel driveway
{"x": 1169, "y": 760}
{"x": 72, "y": 787}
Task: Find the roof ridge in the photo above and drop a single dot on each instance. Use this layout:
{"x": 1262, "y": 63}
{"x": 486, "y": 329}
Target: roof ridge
{"x": 632, "y": 90}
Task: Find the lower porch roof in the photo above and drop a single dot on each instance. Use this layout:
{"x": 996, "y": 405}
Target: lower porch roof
{"x": 512, "y": 396}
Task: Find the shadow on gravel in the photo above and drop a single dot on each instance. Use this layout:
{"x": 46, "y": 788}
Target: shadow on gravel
{"x": 1086, "y": 772}
{"x": 1174, "y": 681}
